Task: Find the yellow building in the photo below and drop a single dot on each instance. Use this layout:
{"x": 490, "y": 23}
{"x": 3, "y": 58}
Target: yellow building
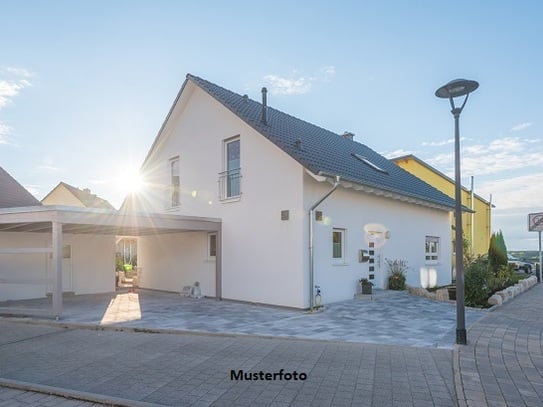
{"x": 477, "y": 224}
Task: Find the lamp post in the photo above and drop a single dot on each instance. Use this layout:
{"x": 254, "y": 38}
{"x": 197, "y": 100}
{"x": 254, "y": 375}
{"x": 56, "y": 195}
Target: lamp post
{"x": 457, "y": 88}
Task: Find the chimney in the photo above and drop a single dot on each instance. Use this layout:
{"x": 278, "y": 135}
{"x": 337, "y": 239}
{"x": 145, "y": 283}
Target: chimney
{"x": 348, "y": 135}
{"x": 298, "y": 144}
{"x": 245, "y": 98}
{"x": 264, "y": 119}
{"x": 86, "y": 190}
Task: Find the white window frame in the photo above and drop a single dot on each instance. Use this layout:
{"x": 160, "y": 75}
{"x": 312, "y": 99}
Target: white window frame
{"x": 432, "y": 249}
{"x": 173, "y": 189}
{"x": 210, "y": 255}
{"x": 342, "y": 234}
{"x": 230, "y": 177}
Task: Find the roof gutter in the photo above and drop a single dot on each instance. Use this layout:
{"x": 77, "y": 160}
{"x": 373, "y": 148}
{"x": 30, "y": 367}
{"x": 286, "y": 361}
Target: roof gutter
{"x": 311, "y": 238}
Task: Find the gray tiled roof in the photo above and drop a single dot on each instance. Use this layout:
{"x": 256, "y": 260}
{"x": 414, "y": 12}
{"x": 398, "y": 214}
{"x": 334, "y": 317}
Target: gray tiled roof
{"x": 325, "y": 152}
{"x": 13, "y": 194}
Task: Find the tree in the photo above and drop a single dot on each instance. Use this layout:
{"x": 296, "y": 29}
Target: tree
{"x": 497, "y": 251}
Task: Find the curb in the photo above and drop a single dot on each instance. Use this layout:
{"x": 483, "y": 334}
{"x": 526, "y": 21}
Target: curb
{"x": 457, "y": 378}
{"x": 73, "y": 394}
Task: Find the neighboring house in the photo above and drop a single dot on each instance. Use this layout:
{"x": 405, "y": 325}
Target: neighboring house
{"x": 13, "y": 194}
{"x": 65, "y": 194}
{"x": 476, "y": 225}
{"x": 264, "y": 173}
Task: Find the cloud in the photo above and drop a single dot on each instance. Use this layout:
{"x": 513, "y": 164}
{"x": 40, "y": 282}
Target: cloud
{"x": 441, "y": 143}
{"x": 49, "y": 168}
{"x": 500, "y": 155}
{"x": 10, "y": 87}
{"x": 521, "y": 126}
{"x": 295, "y": 84}
{"x": 397, "y": 153}
{"x": 522, "y": 192}
{"x": 5, "y": 134}
{"x": 18, "y": 72}
{"x": 288, "y": 86}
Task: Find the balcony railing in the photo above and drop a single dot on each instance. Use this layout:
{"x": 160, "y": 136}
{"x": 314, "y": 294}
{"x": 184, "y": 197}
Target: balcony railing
{"x": 230, "y": 184}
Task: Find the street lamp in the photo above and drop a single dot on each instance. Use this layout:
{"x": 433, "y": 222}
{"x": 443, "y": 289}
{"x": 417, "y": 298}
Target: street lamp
{"x": 456, "y": 88}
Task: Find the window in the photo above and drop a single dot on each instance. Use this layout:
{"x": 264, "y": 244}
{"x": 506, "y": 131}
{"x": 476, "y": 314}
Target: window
{"x": 212, "y": 246}
{"x": 338, "y": 244}
{"x": 432, "y": 249}
{"x": 230, "y": 180}
{"x": 174, "y": 182}
{"x": 369, "y": 163}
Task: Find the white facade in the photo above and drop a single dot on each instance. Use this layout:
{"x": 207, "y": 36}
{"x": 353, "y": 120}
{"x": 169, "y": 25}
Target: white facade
{"x": 397, "y": 229}
{"x": 266, "y": 259}
{"x": 259, "y": 251}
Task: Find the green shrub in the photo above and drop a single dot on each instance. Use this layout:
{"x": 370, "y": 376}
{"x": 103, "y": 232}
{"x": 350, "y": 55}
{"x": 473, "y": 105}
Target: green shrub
{"x": 476, "y": 290}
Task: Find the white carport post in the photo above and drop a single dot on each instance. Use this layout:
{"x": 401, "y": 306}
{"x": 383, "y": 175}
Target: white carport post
{"x": 57, "y": 267}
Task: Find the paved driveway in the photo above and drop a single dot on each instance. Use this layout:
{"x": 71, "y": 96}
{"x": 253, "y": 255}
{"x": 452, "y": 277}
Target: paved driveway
{"x": 395, "y": 318}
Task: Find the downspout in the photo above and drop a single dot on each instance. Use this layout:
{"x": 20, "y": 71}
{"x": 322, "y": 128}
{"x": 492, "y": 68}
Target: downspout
{"x": 311, "y": 255}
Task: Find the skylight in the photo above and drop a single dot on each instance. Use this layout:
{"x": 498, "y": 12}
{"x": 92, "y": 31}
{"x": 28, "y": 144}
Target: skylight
{"x": 369, "y": 163}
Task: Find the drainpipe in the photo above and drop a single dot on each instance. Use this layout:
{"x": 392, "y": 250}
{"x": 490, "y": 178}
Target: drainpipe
{"x": 311, "y": 255}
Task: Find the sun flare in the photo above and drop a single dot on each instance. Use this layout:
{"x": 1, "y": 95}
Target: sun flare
{"x": 131, "y": 181}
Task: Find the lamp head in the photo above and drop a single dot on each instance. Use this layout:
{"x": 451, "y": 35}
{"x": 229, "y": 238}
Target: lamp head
{"x": 457, "y": 87}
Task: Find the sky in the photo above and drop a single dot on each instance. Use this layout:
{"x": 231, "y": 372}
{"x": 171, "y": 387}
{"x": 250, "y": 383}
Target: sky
{"x": 86, "y": 85}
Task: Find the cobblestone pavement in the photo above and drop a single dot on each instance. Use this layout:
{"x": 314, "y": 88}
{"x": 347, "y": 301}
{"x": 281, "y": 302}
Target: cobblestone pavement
{"x": 502, "y": 365}
{"x": 195, "y": 369}
{"x": 393, "y": 317}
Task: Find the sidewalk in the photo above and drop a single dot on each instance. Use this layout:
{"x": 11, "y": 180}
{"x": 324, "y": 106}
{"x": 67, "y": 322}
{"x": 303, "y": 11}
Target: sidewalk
{"x": 502, "y": 365}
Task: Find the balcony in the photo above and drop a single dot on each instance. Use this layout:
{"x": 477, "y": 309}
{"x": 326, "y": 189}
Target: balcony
{"x": 230, "y": 184}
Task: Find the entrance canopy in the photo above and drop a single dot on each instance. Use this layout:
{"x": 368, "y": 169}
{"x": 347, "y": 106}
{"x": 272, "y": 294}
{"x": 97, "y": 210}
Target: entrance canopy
{"x": 57, "y": 220}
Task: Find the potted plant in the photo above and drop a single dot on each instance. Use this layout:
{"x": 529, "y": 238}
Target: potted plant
{"x": 452, "y": 292}
{"x": 396, "y": 274}
{"x": 367, "y": 286}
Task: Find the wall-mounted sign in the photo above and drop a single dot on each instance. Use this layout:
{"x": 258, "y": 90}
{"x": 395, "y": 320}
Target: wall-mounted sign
{"x": 535, "y": 222}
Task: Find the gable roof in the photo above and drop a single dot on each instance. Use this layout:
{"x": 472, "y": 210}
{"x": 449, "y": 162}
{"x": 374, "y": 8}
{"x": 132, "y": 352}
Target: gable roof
{"x": 437, "y": 172}
{"x": 13, "y": 194}
{"x": 323, "y": 152}
{"x": 87, "y": 199}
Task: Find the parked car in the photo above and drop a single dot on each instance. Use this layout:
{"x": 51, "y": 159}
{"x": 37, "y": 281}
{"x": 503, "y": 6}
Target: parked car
{"x": 519, "y": 264}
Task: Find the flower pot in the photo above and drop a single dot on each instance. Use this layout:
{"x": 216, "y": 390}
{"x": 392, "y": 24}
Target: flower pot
{"x": 452, "y": 293}
{"x": 367, "y": 288}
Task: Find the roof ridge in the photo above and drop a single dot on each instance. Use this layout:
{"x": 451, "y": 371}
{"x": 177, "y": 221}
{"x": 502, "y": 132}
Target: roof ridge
{"x": 190, "y": 76}
{"x": 320, "y": 150}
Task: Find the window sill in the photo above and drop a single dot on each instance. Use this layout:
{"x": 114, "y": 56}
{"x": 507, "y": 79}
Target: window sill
{"x": 231, "y": 199}
{"x": 340, "y": 264}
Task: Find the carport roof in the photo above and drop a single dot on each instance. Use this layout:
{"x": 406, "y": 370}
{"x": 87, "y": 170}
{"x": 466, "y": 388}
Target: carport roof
{"x": 100, "y": 221}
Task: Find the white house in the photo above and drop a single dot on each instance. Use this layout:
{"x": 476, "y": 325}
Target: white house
{"x": 264, "y": 174}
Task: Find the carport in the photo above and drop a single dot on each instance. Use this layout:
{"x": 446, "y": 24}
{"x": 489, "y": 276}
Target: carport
{"x": 59, "y": 220}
